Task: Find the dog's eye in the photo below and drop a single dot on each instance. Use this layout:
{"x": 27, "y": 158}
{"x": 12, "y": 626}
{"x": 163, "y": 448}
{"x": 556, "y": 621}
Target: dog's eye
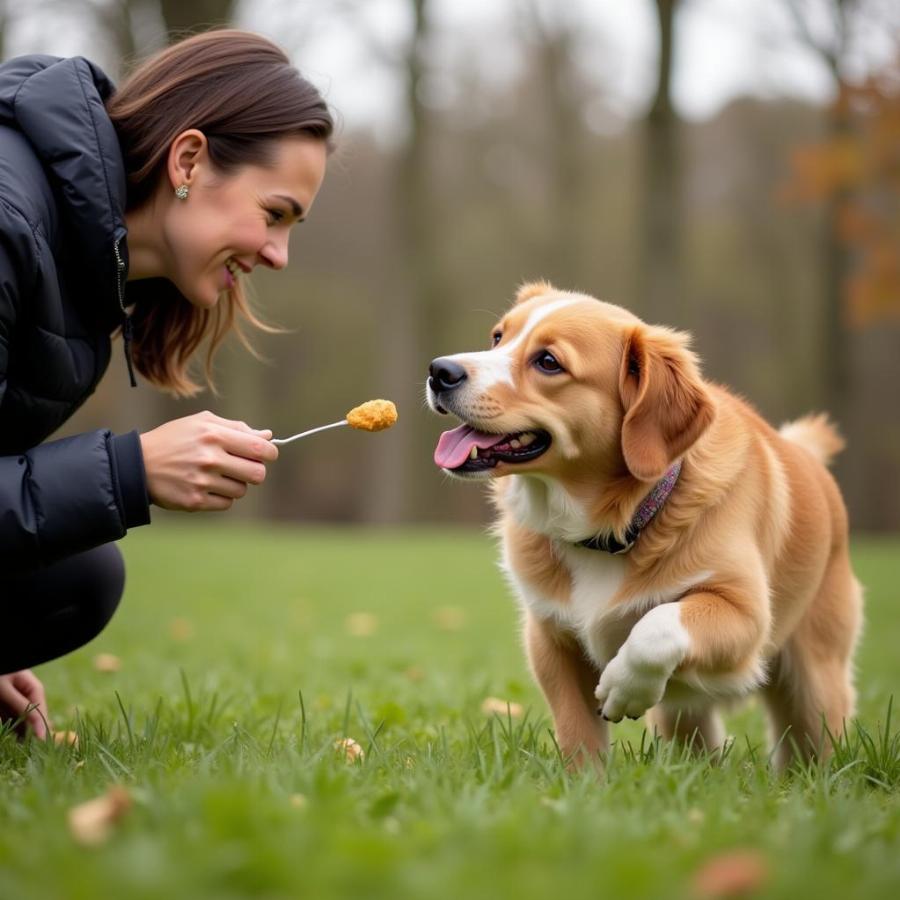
{"x": 495, "y": 338}
{"x": 548, "y": 363}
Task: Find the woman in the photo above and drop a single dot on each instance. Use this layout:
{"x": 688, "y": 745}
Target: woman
{"x": 140, "y": 210}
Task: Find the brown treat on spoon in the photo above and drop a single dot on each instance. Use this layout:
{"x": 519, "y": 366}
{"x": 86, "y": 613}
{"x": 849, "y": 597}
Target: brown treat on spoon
{"x": 373, "y": 415}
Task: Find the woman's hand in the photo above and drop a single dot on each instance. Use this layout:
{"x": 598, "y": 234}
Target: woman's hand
{"x": 204, "y": 462}
{"x": 18, "y": 691}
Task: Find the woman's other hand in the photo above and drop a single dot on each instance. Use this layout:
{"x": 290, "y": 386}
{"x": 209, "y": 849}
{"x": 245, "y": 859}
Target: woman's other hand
{"x": 204, "y": 462}
{"x": 18, "y": 691}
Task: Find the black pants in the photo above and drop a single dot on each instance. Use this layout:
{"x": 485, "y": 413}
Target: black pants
{"x": 51, "y": 611}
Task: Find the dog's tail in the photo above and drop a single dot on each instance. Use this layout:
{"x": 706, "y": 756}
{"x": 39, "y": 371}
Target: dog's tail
{"x": 817, "y": 434}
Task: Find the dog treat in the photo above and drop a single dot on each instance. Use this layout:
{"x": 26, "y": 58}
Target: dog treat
{"x": 373, "y": 415}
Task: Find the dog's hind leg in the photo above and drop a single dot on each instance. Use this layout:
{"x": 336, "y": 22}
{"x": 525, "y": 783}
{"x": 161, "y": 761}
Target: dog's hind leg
{"x": 699, "y": 728}
{"x": 811, "y": 680}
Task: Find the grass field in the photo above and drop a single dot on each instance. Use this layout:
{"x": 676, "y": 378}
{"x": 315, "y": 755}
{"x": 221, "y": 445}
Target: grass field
{"x": 248, "y": 651}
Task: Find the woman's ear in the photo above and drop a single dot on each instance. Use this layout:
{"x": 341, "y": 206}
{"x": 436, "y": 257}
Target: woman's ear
{"x": 187, "y": 152}
{"x": 667, "y": 406}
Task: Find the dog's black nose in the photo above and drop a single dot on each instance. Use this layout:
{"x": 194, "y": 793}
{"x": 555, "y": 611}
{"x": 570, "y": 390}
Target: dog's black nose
{"x": 445, "y": 374}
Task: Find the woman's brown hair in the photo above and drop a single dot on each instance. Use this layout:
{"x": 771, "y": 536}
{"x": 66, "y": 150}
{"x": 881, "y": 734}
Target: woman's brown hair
{"x": 242, "y": 92}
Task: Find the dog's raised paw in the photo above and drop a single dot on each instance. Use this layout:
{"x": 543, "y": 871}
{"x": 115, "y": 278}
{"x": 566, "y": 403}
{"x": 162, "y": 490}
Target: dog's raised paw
{"x": 628, "y": 691}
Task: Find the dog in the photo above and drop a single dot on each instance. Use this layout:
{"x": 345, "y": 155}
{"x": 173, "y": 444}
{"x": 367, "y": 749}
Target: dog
{"x": 669, "y": 549}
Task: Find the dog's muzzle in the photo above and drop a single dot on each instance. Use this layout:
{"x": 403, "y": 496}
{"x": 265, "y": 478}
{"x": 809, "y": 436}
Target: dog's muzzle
{"x": 444, "y": 376}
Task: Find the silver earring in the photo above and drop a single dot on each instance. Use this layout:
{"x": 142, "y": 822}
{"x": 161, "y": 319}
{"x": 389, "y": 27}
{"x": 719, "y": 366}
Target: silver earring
{"x": 182, "y": 191}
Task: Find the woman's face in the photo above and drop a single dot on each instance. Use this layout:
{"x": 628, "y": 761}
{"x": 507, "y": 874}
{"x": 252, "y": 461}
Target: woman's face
{"x": 229, "y": 224}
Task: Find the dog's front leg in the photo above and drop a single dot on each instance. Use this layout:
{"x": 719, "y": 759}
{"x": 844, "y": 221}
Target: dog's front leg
{"x": 715, "y": 632}
{"x": 567, "y": 679}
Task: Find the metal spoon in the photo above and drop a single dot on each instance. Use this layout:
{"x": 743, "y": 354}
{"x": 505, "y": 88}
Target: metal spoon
{"x": 295, "y": 437}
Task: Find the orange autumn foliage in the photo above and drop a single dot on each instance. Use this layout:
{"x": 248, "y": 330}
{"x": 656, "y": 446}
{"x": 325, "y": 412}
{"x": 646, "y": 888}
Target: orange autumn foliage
{"x": 858, "y": 169}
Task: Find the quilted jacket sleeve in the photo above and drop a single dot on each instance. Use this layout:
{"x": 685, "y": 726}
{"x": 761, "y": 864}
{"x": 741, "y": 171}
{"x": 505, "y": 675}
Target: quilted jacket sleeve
{"x": 68, "y": 495}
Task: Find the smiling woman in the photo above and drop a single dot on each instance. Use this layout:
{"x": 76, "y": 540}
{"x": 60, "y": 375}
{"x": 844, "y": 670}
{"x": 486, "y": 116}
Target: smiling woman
{"x": 224, "y": 144}
{"x": 142, "y": 211}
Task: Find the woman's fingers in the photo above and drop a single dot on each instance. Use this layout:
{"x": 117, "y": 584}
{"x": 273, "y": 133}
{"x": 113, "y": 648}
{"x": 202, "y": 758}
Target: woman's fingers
{"x": 20, "y": 690}
{"x": 235, "y": 425}
{"x": 229, "y": 488}
{"x": 248, "y": 445}
{"x": 204, "y": 462}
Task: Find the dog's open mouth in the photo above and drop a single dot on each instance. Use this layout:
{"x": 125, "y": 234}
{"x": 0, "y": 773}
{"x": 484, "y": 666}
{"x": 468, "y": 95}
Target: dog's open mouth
{"x": 464, "y": 449}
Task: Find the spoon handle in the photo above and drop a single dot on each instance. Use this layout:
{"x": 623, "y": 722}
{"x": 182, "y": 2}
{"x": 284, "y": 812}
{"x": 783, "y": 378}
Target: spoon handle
{"x": 294, "y": 437}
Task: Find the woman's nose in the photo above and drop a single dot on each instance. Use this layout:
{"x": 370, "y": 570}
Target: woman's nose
{"x": 274, "y": 254}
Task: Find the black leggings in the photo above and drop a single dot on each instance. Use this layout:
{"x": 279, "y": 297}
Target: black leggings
{"x": 51, "y": 611}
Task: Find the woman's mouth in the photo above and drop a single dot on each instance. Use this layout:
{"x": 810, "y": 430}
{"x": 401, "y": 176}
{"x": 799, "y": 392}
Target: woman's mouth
{"x": 232, "y": 272}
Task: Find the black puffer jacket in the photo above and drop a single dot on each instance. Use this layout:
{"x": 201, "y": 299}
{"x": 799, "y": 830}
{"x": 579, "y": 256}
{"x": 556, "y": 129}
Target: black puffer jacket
{"x": 63, "y": 265}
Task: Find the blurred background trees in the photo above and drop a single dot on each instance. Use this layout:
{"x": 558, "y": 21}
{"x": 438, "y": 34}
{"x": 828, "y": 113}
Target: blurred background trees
{"x": 501, "y": 152}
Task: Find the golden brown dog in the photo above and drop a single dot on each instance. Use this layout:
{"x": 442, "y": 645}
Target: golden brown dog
{"x": 668, "y": 547}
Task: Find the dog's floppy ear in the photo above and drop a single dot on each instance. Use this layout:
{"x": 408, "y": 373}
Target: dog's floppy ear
{"x": 533, "y": 289}
{"x": 667, "y": 406}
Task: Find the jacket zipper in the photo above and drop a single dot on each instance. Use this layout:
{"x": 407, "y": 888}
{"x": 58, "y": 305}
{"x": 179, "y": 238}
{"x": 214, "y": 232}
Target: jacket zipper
{"x": 127, "y": 332}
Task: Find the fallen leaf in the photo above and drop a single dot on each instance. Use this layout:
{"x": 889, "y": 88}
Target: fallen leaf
{"x": 107, "y": 662}
{"x": 91, "y": 823}
{"x": 501, "y": 707}
{"x": 181, "y": 630}
{"x": 415, "y": 673}
{"x": 738, "y": 873}
{"x": 450, "y": 618}
{"x": 361, "y": 624}
{"x": 351, "y": 750}
{"x": 298, "y": 801}
{"x": 66, "y": 737}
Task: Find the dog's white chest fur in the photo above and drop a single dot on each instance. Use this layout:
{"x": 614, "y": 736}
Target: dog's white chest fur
{"x": 596, "y": 579}
{"x": 596, "y": 576}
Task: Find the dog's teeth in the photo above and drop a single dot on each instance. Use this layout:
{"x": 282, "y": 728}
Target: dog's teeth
{"x": 515, "y": 444}
{"x": 473, "y": 453}
{"x": 526, "y": 439}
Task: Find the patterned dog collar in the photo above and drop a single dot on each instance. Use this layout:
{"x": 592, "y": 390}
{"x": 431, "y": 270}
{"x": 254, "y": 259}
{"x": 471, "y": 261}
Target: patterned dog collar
{"x": 648, "y": 508}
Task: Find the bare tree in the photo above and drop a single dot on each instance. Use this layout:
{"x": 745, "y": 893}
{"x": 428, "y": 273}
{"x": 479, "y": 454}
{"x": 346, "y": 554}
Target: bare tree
{"x": 836, "y": 262}
{"x": 4, "y": 17}
{"x": 552, "y": 39}
{"x": 836, "y": 31}
{"x": 661, "y": 269}
{"x": 188, "y": 16}
{"x": 410, "y": 314}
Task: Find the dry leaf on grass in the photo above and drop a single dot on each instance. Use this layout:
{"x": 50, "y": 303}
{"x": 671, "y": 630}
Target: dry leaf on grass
{"x": 107, "y": 662}
{"x": 91, "y": 823}
{"x": 361, "y": 624}
{"x": 450, "y": 618}
{"x": 351, "y": 750}
{"x": 501, "y": 707}
{"x": 415, "y": 673}
{"x": 66, "y": 737}
{"x": 181, "y": 630}
{"x": 298, "y": 801}
{"x": 739, "y": 873}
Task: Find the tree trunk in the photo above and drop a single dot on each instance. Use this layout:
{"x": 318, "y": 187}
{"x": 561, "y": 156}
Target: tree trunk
{"x": 3, "y": 19}
{"x": 407, "y": 318}
{"x": 191, "y": 16}
{"x": 660, "y": 275}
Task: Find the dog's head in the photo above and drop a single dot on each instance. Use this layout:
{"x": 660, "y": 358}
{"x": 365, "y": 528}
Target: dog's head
{"x": 571, "y": 387}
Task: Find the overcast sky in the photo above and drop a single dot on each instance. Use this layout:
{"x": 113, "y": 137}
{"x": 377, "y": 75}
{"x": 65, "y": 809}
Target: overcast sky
{"x": 725, "y": 48}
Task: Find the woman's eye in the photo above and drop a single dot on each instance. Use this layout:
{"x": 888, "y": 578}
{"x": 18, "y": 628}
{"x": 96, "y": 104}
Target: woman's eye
{"x": 548, "y": 363}
{"x": 495, "y": 338}
{"x": 275, "y": 216}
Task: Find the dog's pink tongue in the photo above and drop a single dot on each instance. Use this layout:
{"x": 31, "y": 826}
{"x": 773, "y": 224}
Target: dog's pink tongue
{"x": 455, "y": 446}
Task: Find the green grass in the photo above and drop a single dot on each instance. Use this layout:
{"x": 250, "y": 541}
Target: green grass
{"x": 214, "y": 733}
